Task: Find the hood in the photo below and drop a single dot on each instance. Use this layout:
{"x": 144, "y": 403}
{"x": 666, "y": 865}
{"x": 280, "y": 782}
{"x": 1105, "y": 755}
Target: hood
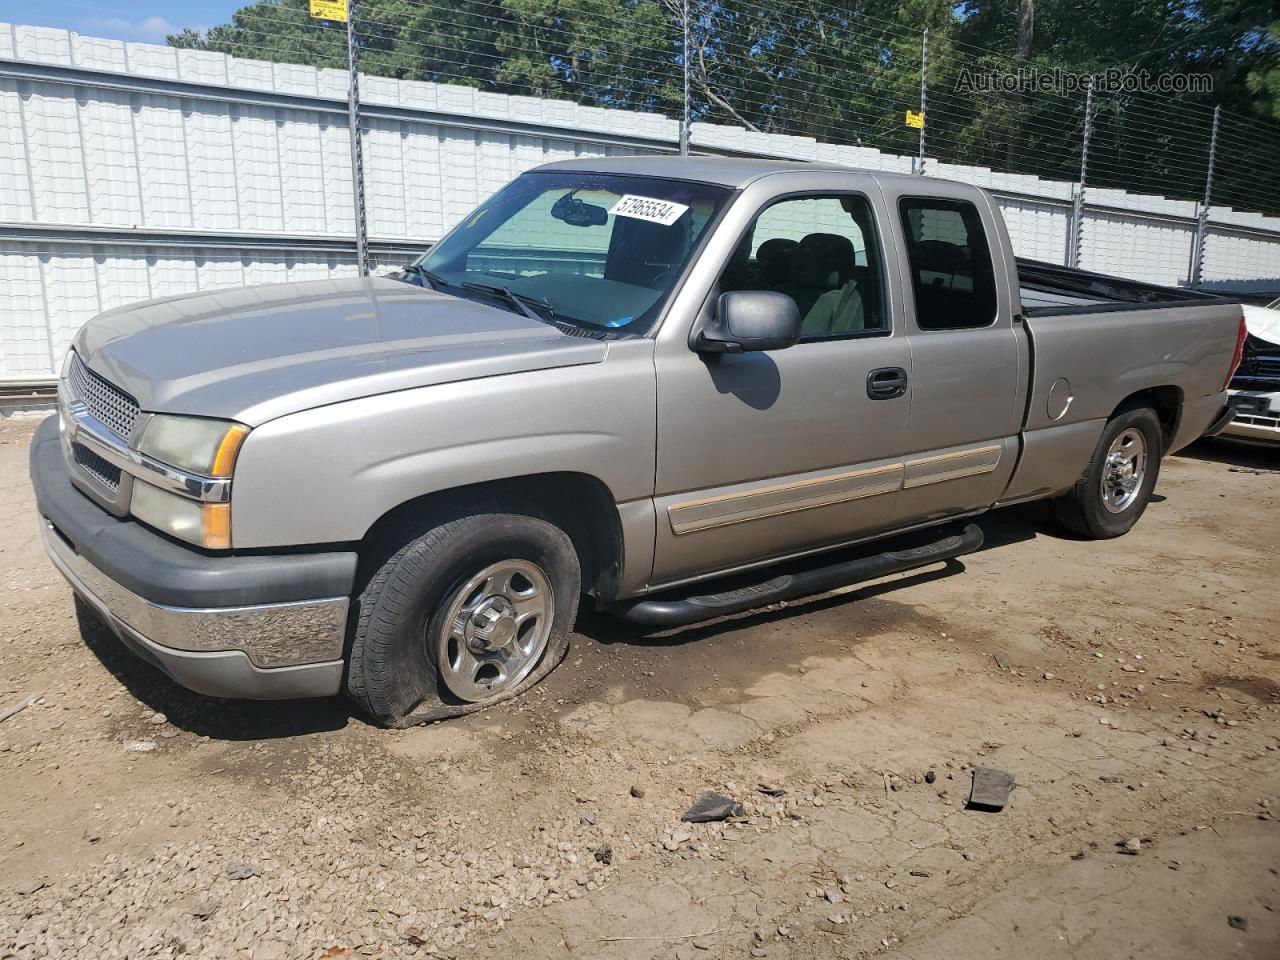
{"x": 1263, "y": 323}
{"x": 255, "y": 353}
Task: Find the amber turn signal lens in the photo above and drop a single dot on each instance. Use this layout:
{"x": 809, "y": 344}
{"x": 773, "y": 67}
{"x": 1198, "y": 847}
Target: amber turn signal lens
{"x": 224, "y": 461}
{"x": 217, "y": 526}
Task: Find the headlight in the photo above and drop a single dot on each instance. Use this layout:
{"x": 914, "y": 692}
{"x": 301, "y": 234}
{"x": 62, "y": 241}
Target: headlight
{"x": 195, "y": 444}
{"x": 204, "y": 524}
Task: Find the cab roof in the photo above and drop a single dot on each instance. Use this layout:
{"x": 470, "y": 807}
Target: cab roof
{"x": 723, "y": 171}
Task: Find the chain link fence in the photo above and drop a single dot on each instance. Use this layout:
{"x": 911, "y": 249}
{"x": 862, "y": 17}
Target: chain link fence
{"x": 130, "y": 171}
{"x": 835, "y": 74}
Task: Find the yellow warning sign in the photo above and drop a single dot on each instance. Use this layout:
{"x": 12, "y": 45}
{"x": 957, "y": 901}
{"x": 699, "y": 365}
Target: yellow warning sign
{"x": 329, "y": 10}
{"x": 913, "y": 119}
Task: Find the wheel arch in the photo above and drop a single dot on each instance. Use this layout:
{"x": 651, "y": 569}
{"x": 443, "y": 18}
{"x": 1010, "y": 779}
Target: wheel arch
{"x": 580, "y": 504}
{"x": 1166, "y": 400}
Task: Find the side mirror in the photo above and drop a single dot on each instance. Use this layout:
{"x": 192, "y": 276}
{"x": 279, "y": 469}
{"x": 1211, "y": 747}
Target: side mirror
{"x": 749, "y": 320}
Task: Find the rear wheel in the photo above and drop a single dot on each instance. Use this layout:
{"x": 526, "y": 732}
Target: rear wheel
{"x": 1116, "y": 487}
{"x": 472, "y": 611}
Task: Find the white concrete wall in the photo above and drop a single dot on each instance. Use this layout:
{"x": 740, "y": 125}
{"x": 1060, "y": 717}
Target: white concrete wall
{"x": 201, "y": 182}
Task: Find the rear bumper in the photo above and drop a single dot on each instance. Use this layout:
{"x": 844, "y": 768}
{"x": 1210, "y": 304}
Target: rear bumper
{"x": 1221, "y": 423}
{"x": 1199, "y": 418}
{"x": 251, "y": 627}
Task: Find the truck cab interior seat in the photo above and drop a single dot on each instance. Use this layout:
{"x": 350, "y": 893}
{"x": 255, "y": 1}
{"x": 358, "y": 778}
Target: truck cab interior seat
{"x": 774, "y": 257}
{"x": 822, "y": 262}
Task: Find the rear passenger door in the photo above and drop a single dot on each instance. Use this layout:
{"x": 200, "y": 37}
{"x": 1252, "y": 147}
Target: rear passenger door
{"x": 967, "y": 358}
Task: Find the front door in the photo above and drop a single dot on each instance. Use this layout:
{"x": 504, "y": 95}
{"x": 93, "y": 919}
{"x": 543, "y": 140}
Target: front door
{"x": 765, "y": 454}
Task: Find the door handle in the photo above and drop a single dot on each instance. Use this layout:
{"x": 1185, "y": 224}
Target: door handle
{"x": 885, "y": 383}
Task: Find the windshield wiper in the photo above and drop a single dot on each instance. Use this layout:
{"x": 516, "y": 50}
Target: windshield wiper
{"x": 434, "y": 279}
{"x": 520, "y": 302}
{"x": 517, "y": 300}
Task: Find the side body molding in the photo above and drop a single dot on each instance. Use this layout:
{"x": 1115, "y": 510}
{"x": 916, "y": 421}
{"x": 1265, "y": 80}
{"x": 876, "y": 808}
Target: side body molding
{"x": 953, "y": 465}
{"x": 779, "y": 496}
{"x": 756, "y": 503}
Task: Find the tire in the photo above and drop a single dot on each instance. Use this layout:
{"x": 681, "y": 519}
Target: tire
{"x": 422, "y": 651}
{"x": 1099, "y": 510}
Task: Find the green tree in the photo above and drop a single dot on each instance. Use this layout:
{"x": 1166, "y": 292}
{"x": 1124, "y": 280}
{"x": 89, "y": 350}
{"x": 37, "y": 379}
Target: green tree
{"x": 1144, "y": 142}
{"x": 1264, "y": 80}
{"x": 839, "y": 72}
{"x": 613, "y": 53}
{"x": 846, "y": 71}
{"x": 609, "y": 52}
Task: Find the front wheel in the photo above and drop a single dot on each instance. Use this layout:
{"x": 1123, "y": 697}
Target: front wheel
{"x": 1116, "y": 487}
{"x": 472, "y": 611}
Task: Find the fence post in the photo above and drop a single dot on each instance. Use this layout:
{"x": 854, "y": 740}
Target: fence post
{"x": 1077, "y": 205}
{"x": 1202, "y": 221}
{"x": 924, "y": 95}
{"x": 357, "y": 149}
{"x": 684, "y": 59}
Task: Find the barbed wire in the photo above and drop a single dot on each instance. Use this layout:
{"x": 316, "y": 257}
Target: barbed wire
{"x": 583, "y": 60}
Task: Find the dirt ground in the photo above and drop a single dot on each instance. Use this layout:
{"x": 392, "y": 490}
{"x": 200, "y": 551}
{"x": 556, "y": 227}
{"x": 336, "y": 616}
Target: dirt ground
{"x": 1130, "y": 688}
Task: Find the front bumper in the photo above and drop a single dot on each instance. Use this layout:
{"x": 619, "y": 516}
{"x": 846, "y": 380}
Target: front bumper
{"x": 1257, "y": 416}
{"x": 261, "y": 627}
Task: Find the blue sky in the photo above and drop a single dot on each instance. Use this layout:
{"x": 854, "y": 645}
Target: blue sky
{"x": 145, "y": 20}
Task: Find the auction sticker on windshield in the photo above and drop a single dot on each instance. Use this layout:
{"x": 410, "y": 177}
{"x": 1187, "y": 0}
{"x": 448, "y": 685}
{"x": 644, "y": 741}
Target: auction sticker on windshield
{"x": 646, "y": 208}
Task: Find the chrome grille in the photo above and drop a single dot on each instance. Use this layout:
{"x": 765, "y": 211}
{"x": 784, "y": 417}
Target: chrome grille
{"x": 107, "y": 403}
{"x": 106, "y": 473}
{"x": 1261, "y": 360}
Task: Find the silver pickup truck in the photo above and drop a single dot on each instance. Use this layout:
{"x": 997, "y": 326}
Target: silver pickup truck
{"x": 617, "y": 378}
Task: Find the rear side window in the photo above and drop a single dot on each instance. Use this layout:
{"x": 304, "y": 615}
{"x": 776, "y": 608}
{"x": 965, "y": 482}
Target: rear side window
{"x": 950, "y": 262}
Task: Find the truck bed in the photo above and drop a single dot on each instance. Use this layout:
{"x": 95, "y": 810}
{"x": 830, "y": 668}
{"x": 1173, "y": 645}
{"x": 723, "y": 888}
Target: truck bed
{"x": 1049, "y": 288}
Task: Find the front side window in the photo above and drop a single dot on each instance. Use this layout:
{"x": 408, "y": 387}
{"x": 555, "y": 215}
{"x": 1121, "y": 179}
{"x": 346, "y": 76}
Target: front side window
{"x": 951, "y": 272}
{"x": 822, "y": 252}
{"x": 597, "y": 251}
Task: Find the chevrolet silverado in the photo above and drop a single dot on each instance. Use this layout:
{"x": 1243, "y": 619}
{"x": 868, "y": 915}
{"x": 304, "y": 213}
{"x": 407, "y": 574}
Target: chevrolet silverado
{"x": 622, "y": 379}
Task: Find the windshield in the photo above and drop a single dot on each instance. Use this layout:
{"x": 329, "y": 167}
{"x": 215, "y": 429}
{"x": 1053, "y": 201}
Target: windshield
{"x": 593, "y": 250}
